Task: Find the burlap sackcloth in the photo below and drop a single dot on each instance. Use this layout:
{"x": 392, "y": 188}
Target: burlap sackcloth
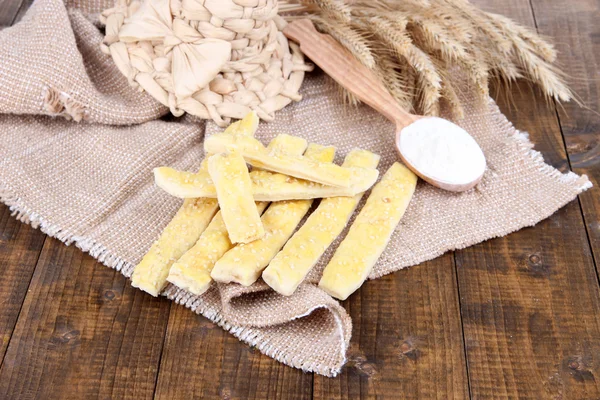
{"x": 90, "y": 183}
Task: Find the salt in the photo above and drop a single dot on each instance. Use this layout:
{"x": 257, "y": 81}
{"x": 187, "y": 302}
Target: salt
{"x": 441, "y": 150}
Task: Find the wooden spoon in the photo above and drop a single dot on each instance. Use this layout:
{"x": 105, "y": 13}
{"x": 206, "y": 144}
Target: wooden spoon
{"x": 341, "y": 65}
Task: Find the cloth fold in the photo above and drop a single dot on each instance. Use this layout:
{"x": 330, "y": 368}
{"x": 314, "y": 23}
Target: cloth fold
{"x": 90, "y": 183}
{"x": 52, "y": 64}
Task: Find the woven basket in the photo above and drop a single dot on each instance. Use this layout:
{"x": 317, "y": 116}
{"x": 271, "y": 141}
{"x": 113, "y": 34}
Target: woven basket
{"x": 215, "y": 59}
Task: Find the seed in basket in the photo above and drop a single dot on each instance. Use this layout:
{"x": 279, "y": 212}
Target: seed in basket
{"x": 300, "y": 167}
{"x": 370, "y": 233}
{"x": 266, "y": 185}
{"x": 300, "y": 254}
{"x": 244, "y": 264}
{"x": 229, "y": 173}
{"x": 192, "y": 271}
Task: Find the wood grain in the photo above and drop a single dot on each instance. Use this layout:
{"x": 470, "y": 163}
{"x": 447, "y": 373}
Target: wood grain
{"x": 576, "y": 31}
{"x": 407, "y": 339}
{"x": 530, "y": 301}
{"x": 530, "y": 306}
{"x": 201, "y": 360}
{"x": 20, "y": 247}
{"x": 83, "y": 332}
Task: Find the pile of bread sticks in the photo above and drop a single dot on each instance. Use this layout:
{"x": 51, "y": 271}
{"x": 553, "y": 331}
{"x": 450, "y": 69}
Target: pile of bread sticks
{"x": 236, "y": 226}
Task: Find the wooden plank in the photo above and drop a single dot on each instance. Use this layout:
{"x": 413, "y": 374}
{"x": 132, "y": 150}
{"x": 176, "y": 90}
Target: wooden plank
{"x": 407, "y": 339}
{"x": 20, "y": 244}
{"x": 200, "y": 360}
{"x": 530, "y": 301}
{"x": 574, "y": 25}
{"x": 83, "y": 332}
{"x": 531, "y": 313}
{"x": 20, "y": 247}
{"x": 8, "y": 11}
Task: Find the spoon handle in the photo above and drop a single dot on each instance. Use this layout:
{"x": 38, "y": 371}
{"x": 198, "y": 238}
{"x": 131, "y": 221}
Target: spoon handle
{"x": 346, "y": 70}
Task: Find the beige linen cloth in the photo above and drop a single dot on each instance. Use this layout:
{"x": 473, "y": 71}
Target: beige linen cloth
{"x": 90, "y": 183}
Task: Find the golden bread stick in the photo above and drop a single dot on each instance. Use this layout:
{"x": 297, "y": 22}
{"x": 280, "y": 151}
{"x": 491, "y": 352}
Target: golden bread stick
{"x": 300, "y": 254}
{"x": 246, "y": 126}
{"x": 180, "y": 234}
{"x": 279, "y": 188}
{"x": 370, "y": 233}
{"x": 229, "y": 173}
{"x": 184, "y": 184}
{"x": 300, "y": 167}
{"x": 243, "y": 264}
{"x": 192, "y": 271}
{"x": 185, "y": 228}
{"x": 266, "y": 185}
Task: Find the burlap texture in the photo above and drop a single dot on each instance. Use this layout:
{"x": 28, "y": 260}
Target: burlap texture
{"x": 91, "y": 184}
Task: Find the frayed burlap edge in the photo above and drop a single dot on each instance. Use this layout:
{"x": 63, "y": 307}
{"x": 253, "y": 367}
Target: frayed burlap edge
{"x": 253, "y": 337}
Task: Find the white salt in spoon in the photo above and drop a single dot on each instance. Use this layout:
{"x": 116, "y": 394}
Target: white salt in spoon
{"x": 438, "y": 151}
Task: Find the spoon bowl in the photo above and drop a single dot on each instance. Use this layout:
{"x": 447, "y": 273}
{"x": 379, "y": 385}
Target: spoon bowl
{"x": 437, "y": 150}
{"x": 441, "y": 153}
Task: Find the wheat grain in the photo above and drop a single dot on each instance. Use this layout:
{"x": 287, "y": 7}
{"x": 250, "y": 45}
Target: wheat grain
{"x": 402, "y": 45}
{"x": 335, "y": 9}
{"x": 544, "y": 49}
{"x": 351, "y": 39}
{"x": 532, "y": 59}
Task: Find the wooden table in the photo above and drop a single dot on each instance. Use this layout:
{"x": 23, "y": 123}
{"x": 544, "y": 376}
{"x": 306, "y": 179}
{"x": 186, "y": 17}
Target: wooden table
{"x": 514, "y": 317}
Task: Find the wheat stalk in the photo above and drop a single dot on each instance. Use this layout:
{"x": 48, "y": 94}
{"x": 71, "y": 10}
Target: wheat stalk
{"x": 412, "y": 45}
{"x": 349, "y": 38}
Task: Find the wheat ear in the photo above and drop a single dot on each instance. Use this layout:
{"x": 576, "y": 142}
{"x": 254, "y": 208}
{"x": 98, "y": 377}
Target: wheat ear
{"x": 402, "y": 45}
{"x": 351, "y": 39}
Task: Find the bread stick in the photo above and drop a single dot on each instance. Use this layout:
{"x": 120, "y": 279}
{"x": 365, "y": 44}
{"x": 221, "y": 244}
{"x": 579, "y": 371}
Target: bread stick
{"x": 370, "y": 233}
{"x": 266, "y": 185}
{"x": 246, "y": 126}
{"x": 279, "y": 187}
{"x": 150, "y": 275}
{"x": 243, "y": 264}
{"x": 258, "y": 156}
{"x": 181, "y": 233}
{"x": 184, "y": 184}
{"x": 229, "y": 173}
{"x": 299, "y": 255}
{"x": 192, "y": 271}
